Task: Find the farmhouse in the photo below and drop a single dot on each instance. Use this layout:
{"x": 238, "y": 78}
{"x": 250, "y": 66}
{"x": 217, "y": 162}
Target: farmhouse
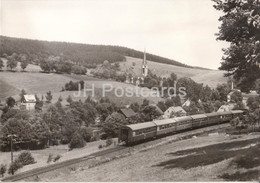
{"x": 174, "y": 112}
{"x": 28, "y": 101}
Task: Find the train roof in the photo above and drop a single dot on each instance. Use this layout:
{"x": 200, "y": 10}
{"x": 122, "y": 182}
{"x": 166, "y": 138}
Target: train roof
{"x": 141, "y": 125}
{"x": 225, "y": 113}
{"x": 237, "y": 111}
{"x": 183, "y": 118}
{"x": 198, "y": 116}
{"x": 164, "y": 121}
{"x": 212, "y": 114}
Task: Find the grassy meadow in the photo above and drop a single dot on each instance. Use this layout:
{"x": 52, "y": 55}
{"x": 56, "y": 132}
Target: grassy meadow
{"x": 207, "y": 77}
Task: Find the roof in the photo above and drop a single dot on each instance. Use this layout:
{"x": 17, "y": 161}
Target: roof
{"x": 176, "y": 109}
{"x": 127, "y": 112}
{"x": 29, "y": 98}
{"x": 141, "y": 125}
{"x": 186, "y": 103}
{"x": 225, "y": 112}
{"x": 183, "y": 118}
{"x": 237, "y": 111}
{"x": 228, "y": 107}
{"x": 164, "y": 121}
{"x": 198, "y": 116}
{"x": 213, "y": 114}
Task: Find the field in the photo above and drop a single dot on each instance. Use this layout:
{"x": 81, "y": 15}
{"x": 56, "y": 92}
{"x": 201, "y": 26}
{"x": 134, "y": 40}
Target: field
{"x": 35, "y": 82}
{"x": 208, "y": 157}
{"x": 207, "y": 77}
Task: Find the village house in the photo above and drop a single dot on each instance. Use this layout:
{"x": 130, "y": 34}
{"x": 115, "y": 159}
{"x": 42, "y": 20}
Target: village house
{"x": 172, "y": 112}
{"x": 226, "y": 107}
{"x": 28, "y": 102}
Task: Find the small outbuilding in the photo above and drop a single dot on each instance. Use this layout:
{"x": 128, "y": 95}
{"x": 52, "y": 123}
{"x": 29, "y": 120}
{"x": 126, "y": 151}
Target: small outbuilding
{"x": 127, "y": 112}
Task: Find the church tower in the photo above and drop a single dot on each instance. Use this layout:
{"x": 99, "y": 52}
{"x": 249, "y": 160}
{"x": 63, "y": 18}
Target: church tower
{"x": 144, "y": 66}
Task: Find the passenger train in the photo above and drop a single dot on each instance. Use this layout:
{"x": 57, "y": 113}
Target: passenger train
{"x": 136, "y": 133}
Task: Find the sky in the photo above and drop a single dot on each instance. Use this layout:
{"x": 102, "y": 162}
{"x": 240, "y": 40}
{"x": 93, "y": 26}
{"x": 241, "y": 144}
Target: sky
{"x": 182, "y": 30}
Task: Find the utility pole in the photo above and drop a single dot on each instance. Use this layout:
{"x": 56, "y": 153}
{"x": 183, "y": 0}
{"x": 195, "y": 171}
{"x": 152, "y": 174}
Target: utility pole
{"x": 12, "y": 156}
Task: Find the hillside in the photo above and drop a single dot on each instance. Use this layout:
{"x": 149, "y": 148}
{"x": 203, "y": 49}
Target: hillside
{"x": 35, "y": 82}
{"x": 85, "y": 54}
{"x": 208, "y": 77}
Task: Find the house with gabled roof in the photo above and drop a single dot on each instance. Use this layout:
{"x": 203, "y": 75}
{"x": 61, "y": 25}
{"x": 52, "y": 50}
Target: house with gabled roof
{"x": 28, "y": 101}
{"x": 174, "y": 112}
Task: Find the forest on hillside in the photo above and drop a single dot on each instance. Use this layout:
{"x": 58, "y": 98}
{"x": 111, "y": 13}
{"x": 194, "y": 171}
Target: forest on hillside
{"x": 83, "y": 54}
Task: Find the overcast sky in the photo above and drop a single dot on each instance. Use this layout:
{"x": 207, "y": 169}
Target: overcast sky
{"x": 182, "y": 30}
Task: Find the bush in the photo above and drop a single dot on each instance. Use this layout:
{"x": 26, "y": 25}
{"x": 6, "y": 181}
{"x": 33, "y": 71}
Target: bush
{"x": 26, "y": 158}
{"x": 2, "y": 169}
{"x": 57, "y": 158}
{"x": 100, "y": 146}
{"x": 109, "y": 141}
{"x": 15, "y": 166}
{"x": 49, "y": 158}
{"x": 77, "y": 141}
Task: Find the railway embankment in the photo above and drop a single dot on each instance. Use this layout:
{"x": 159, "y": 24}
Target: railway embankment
{"x": 191, "y": 139}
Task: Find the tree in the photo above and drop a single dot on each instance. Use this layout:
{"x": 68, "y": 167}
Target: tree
{"x": 241, "y": 27}
{"x": 253, "y": 102}
{"x": 48, "y": 97}
{"x": 12, "y": 61}
{"x": 24, "y": 62}
{"x": 135, "y": 107}
{"x": 10, "y": 102}
{"x": 69, "y": 99}
{"x": 23, "y": 92}
{"x": 45, "y": 66}
{"x": 77, "y": 141}
{"x": 104, "y": 110}
{"x": 26, "y": 158}
{"x": 176, "y": 100}
{"x": 2, "y": 169}
{"x": 112, "y": 124}
{"x": 223, "y": 91}
{"x": 150, "y": 113}
{"x": 169, "y": 103}
{"x": 237, "y": 97}
{"x": 1, "y": 63}
{"x": 86, "y": 133}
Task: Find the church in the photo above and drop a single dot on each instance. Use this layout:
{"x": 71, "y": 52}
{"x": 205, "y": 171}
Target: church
{"x": 138, "y": 78}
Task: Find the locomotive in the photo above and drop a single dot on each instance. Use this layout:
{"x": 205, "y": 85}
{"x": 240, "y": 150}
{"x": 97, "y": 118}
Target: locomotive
{"x": 136, "y": 133}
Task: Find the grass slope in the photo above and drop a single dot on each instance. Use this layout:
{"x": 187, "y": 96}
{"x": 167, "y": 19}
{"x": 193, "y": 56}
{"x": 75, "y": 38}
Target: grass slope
{"x": 207, "y": 77}
{"x": 11, "y": 84}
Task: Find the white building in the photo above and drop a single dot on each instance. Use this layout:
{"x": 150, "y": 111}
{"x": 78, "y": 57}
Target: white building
{"x": 29, "y": 102}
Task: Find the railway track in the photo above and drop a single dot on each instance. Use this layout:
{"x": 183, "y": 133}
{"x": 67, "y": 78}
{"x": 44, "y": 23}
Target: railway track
{"x": 55, "y": 166}
{"x": 41, "y": 170}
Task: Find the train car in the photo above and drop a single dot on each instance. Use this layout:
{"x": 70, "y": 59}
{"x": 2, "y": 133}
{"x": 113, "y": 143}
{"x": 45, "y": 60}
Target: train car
{"x": 237, "y": 113}
{"x": 183, "y": 123}
{"x": 199, "y": 120}
{"x": 165, "y": 126}
{"x": 214, "y": 118}
{"x": 226, "y": 116}
{"x": 137, "y": 132}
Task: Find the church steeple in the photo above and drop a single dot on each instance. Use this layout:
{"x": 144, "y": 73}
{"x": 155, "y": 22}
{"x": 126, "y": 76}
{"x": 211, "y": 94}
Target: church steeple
{"x": 144, "y": 66}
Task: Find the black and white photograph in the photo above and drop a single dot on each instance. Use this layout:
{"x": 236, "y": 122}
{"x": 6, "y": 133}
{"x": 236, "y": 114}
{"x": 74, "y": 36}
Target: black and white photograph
{"x": 129, "y": 90}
